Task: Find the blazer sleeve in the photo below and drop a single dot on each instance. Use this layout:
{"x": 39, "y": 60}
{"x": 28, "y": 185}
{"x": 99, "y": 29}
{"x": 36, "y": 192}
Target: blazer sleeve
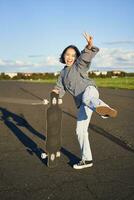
{"x": 59, "y": 85}
{"x": 84, "y": 60}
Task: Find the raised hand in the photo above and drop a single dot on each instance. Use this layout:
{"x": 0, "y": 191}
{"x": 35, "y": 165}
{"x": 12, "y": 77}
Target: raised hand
{"x": 89, "y": 39}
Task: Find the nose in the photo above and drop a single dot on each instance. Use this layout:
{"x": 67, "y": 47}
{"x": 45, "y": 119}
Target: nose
{"x": 69, "y": 57}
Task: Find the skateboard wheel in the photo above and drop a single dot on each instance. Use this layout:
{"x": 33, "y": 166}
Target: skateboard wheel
{"x": 45, "y": 102}
{"x": 52, "y": 157}
{"x": 54, "y": 101}
{"x": 58, "y": 154}
{"x": 43, "y": 155}
{"x": 59, "y": 101}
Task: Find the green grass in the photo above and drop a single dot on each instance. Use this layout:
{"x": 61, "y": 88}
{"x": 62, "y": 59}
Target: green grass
{"x": 124, "y": 82}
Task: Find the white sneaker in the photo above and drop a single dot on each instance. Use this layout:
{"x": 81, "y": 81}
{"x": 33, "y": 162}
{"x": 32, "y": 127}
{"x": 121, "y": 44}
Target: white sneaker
{"x": 104, "y": 117}
{"x": 106, "y": 111}
{"x": 83, "y": 164}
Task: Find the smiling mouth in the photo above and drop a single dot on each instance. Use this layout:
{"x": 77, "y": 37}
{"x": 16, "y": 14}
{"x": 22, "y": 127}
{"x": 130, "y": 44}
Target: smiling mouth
{"x": 69, "y": 62}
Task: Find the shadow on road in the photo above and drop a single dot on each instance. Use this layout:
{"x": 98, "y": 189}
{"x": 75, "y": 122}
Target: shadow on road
{"x": 31, "y": 93}
{"x": 12, "y": 121}
{"x": 119, "y": 141}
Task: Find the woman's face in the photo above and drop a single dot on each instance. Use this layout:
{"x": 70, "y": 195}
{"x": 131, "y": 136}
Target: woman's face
{"x": 70, "y": 57}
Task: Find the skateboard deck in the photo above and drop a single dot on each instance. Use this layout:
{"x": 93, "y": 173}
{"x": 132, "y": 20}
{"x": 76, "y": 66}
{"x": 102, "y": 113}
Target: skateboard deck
{"x": 53, "y": 125}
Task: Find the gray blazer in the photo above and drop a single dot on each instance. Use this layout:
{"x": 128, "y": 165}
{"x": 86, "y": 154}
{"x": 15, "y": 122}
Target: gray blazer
{"x": 75, "y": 79}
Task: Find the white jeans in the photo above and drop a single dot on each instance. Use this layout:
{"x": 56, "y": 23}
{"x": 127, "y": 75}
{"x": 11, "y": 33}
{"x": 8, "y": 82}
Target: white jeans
{"x": 90, "y": 101}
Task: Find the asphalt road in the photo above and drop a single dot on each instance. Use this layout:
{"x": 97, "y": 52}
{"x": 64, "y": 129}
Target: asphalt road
{"x": 23, "y": 175}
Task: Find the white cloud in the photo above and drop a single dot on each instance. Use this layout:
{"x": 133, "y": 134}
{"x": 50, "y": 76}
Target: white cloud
{"x": 52, "y": 61}
{"x": 49, "y": 63}
{"x": 131, "y": 42}
{"x": 114, "y": 58}
{"x": 2, "y": 63}
{"x": 106, "y": 58}
{"x": 36, "y": 56}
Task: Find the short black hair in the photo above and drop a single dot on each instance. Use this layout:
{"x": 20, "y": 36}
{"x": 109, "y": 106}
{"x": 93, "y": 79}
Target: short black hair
{"x": 62, "y": 60}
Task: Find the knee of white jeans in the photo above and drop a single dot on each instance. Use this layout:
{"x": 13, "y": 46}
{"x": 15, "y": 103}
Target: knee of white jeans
{"x": 81, "y": 132}
{"x": 86, "y": 101}
{"x": 91, "y": 93}
{"x": 78, "y": 131}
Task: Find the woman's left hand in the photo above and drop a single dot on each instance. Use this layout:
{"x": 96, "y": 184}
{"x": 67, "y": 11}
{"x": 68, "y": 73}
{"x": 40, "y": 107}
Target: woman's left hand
{"x": 89, "y": 39}
{"x": 56, "y": 91}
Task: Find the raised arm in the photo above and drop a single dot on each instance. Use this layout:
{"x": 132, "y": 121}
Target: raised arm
{"x": 89, "y": 40}
{"x": 87, "y": 54}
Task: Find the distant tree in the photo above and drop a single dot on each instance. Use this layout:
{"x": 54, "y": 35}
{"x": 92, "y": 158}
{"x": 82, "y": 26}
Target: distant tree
{"x": 91, "y": 75}
{"x": 3, "y": 76}
{"x": 109, "y": 74}
{"x": 49, "y": 76}
{"x": 122, "y": 74}
{"x": 102, "y": 75}
{"x": 130, "y": 74}
{"x": 19, "y": 76}
{"x": 35, "y": 76}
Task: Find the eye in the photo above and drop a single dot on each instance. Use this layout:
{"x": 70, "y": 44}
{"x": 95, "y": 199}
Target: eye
{"x": 66, "y": 54}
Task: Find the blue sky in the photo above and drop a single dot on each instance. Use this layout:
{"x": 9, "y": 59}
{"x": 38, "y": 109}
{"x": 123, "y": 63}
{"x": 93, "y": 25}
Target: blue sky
{"x": 33, "y": 33}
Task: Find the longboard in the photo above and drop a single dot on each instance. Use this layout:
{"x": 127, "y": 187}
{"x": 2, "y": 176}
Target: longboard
{"x": 53, "y": 127}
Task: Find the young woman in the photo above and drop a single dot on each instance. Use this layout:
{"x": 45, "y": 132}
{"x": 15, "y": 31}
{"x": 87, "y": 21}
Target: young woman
{"x": 74, "y": 79}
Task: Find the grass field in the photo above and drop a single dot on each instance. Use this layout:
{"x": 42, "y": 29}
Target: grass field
{"x": 125, "y": 82}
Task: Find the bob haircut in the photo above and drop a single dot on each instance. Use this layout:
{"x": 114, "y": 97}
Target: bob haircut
{"x": 62, "y": 60}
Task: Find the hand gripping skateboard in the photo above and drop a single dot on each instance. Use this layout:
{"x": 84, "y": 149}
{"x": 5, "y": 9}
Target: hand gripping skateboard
{"x": 53, "y": 126}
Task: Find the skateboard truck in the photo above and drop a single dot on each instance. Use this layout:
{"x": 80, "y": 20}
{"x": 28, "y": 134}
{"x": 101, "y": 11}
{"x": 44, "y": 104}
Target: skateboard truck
{"x": 45, "y": 155}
